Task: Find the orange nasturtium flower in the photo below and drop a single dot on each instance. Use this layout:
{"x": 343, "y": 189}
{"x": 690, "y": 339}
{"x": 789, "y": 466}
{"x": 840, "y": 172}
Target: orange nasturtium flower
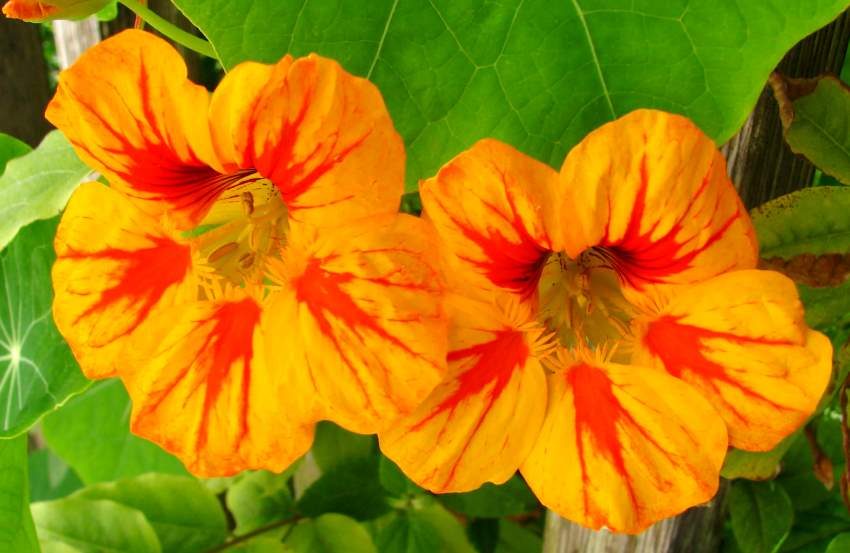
{"x": 246, "y": 273}
{"x": 45, "y": 10}
{"x": 611, "y": 335}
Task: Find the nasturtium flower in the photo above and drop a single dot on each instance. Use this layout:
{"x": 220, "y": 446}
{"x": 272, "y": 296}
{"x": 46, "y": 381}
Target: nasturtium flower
{"x": 246, "y": 273}
{"x": 46, "y": 10}
{"x": 610, "y": 335}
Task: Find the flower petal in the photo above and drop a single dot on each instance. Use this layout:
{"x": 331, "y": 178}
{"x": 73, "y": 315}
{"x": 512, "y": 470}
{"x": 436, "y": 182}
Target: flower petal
{"x": 741, "y": 340}
{"x": 323, "y": 136}
{"x": 115, "y": 267}
{"x": 360, "y": 311}
{"x": 204, "y": 388}
{"x": 142, "y": 124}
{"x": 479, "y": 424}
{"x": 623, "y": 447}
{"x": 493, "y": 208}
{"x": 652, "y": 190}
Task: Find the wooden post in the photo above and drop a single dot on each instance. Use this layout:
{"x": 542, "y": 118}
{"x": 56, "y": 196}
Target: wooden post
{"x": 762, "y": 167}
{"x": 72, "y": 38}
{"x": 24, "y": 86}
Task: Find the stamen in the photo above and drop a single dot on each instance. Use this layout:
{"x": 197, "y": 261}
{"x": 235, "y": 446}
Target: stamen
{"x": 247, "y": 260}
{"x": 248, "y": 203}
{"x": 222, "y": 251}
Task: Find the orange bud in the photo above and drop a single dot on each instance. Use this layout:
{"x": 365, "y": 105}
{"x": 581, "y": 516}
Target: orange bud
{"x": 37, "y": 11}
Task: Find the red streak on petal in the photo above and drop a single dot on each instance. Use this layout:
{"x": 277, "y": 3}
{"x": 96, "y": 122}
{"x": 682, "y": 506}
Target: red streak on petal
{"x": 597, "y": 415}
{"x": 143, "y": 277}
{"x": 639, "y": 258}
{"x": 681, "y": 348}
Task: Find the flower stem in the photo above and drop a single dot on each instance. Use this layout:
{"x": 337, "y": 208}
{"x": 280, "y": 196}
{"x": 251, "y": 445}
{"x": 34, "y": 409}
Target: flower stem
{"x": 170, "y": 30}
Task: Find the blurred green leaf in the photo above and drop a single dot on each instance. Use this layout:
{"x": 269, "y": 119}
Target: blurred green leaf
{"x": 38, "y": 372}
{"x": 825, "y": 306}
{"x": 841, "y": 544}
{"x": 333, "y": 445}
{"x": 261, "y": 545}
{"x": 17, "y": 533}
{"x": 483, "y": 534}
{"x": 259, "y": 498}
{"x": 351, "y": 488}
{"x": 448, "y": 529}
{"x": 94, "y": 526}
{"x": 537, "y": 74}
{"x": 393, "y": 480}
{"x": 755, "y": 465}
{"x": 513, "y": 538}
{"x": 10, "y": 148}
{"x": 92, "y": 434}
{"x": 408, "y": 533}
{"x": 492, "y": 501}
{"x": 186, "y": 517}
{"x": 761, "y": 515}
{"x": 38, "y": 184}
{"x": 50, "y": 476}
{"x": 815, "y": 528}
{"x": 330, "y": 533}
{"x": 816, "y": 119}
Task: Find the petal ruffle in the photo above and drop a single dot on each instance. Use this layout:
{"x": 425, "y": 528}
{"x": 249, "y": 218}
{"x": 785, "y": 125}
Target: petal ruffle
{"x": 322, "y": 135}
{"x": 494, "y": 209}
{"x": 481, "y": 422}
{"x": 623, "y": 447}
{"x": 205, "y": 388}
{"x": 142, "y": 124}
{"x": 652, "y": 191}
{"x": 360, "y": 311}
{"x": 115, "y": 267}
{"x": 741, "y": 340}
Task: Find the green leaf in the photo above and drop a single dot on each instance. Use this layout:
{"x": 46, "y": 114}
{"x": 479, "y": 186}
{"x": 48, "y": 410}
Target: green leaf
{"x": 814, "y": 529}
{"x": 451, "y": 533}
{"x": 92, "y": 434}
{"x": 333, "y": 445}
{"x": 37, "y": 370}
{"x": 755, "y": 465}
{"x": 535, "y": 73}
{"x": 351, "y": 488}
{"x": 259, "y": 498}
{"x": 513, "y": 538}
{"x": 10, "y": 148}
{"x": 184, "y": 514}
{"x": 394, "y": 481}
{"x": 483, "y": 534}
{"x": 330, "y": 533}
{"x": 261, "y": 545}
{"x": 50, "y": 476}
{"x": 16, "y": 526}
{"x": 491, "y": 501}
{"x": 408, "y": 533}
{"x": 841, "y": 544}
{"x": 816, "y": 119}
{"x": 761, "y": 515}
{"x": 808, "y": 221}
{"x": 94, "y": 526}
{"x": 38, "y": 184}
{"x": 825, "y": 306}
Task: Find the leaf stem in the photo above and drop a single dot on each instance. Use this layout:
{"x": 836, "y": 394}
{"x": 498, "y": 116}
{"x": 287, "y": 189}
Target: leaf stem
{"x": 254, "y": 533}
{"x": 170, "y": 30}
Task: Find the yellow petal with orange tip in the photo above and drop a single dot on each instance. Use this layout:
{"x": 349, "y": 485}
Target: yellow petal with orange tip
{"x": 651, "y": 191}
{"x": 130, "y": 112}
{"x": 359, "y": 310}
{"x": 115, "y": 267}
{"x": 478, "y": 425}
{"x": 494, "y": 209}
{"x": 321, "y": 135}
{"x": 205, "y": 388}
{"x": 741, "y": 340}
{"x": 623, "y": 447}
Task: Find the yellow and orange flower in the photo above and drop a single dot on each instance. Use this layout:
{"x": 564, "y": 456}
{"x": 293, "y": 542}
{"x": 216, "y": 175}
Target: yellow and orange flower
{"x": 246, "y": 273}
{"x": 46, "y": 10}
{"x": 610, "y": 335}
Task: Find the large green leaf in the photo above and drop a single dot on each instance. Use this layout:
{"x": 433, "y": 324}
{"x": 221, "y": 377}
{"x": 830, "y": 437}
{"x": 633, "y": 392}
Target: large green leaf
{"x": 816, "y": 118}
{"x": 511, "y": 498}
{"x": 91, "y": 526}
{"x": 92, "y": 434}
{"x": 755, "y": 465}
{"x": 50, "y": 476}
{"x": 186, "y": 517}
{"x": 516, "y": 539}
{"x": 38, "y": 184}
{"x": 408, "y": 533}
{"x": 761, "y": 514}
{"x": 259, "y": 498}
{"x": 10, "y": 148}
{"x": 535, "y": 73}
{"x": 841, "y": 544}
{"x": 333, "y": 445}
{"x": 330, "y": 533}
{"x": 352, "y": 488}
{"x": 37, "y": 370}
{"x": 16, "y": 527}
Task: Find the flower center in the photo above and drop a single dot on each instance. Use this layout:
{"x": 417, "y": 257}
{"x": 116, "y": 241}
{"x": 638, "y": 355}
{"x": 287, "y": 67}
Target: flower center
{"x": 582, "y": 302}
{"x": 245, "y": 227}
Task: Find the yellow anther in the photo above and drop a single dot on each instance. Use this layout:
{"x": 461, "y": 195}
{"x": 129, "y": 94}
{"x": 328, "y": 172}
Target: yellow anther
{"x": 248, "y": 203}
{"x": 246, "y": 260}
{"x": 222, "y": 251}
